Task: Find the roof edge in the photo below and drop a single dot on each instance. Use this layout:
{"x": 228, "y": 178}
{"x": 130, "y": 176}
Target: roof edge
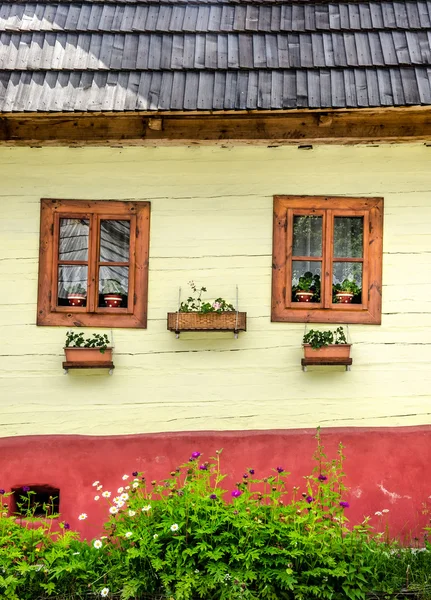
{"x": 281, "y": 127}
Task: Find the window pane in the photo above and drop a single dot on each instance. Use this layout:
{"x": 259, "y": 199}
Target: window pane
{"x": 348, "y": 237}
{"x": 72, "y": 285}
{"x": 113, "y": 287}
{"x": 347, "y": 282}
{"x": 307, "y": 236}
{"x": 306, "y": 279}
{"x": 73, "y": 239}
{"x": 114, "y": 241}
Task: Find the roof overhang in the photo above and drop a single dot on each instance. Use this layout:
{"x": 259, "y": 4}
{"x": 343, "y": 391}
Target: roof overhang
{"x": 298, "y": 127}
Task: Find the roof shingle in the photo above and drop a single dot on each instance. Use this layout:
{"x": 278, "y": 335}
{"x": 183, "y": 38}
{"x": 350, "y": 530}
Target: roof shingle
{"x": 213, "y": 54}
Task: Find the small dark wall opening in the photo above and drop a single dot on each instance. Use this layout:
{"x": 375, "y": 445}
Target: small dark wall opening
{"x": 35, "y": 500}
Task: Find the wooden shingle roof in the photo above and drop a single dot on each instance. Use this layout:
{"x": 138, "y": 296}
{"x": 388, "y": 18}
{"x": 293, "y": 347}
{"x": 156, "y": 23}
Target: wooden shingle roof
{"x": 127, "y": 55}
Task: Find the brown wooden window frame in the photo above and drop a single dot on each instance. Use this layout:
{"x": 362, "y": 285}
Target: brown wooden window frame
{"x": 282, "y": 306}
{"x": 135, "y": 314}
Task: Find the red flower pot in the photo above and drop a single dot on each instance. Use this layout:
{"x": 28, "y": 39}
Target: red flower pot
{"x": 344, "y": 297}
{"x": 304, "y": 296}
{"x": 113, "y": 300}
{"x": 76, "y": 299}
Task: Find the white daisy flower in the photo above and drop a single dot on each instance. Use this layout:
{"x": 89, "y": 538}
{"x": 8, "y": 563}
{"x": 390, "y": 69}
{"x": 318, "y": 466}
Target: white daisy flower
{"x": 104, "y": 592}
{"x": 113, "y": 510}
{"x": 96, "y": 498}
{"x": 82, "y": 516}
{"x": 378, "y": 514}
{"x": 135, "y": 484}
{"x": 128, "y": 534}
{"x": 97, "y": 544}
{"x": 120, "y": 504}
{"x": 155, "y": 536}
{"x": 174, "y": 527}
{"x": 127, "y": 487}
{"x": 106, "y": 494}
{"x": 385, "y": 510}
{"x": 125, "y": 477}
{"x": 120, "y": 489}
{"x": 146, "y": 508}
{"x": 132, "y": 513}
{"x": 116, "y": 499}
{"x": 99, "y": 487}
{"x": 96, "y": 483}
{"x": 124, "y": 496}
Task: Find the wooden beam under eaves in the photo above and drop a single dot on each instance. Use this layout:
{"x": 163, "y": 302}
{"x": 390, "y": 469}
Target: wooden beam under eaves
{"x": 180, "y": 128}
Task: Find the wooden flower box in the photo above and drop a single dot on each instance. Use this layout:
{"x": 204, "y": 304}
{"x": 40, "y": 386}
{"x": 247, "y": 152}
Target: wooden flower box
{"x": 88, "y": 358}
{"x": 332, "y": 355}
{"x": 194, "y": 321}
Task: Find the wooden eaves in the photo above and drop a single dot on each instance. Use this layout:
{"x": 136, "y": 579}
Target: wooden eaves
{"x": 298, "y": 127}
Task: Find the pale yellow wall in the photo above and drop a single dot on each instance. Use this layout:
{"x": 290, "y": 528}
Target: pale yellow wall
{"x": 211, "y": 221}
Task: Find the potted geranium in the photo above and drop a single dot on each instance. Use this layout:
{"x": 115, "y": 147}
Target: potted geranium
{"x": 308, "y": 288}
{"x": 76, "y": 295}
{"x": 195, "y": 314}
{"x": 113, "y": 293}
{"x": 93, "y": 349}
{"x": 326, "y": 344}
{"x": 345, "y": 292}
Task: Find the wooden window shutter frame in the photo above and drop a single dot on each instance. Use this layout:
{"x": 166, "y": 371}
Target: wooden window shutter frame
{"x": 282, "y": 308}
{"x": 135, "y": 315}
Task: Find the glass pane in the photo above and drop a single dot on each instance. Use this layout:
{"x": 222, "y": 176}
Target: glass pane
{"x": 114, "y": 241}
{"x": 73, "y": 239}
{"x": 72, "y": 285}
{"x": 307, "y": 236}
{"x": 347, "y": 283}
{"x": 348, "y": 237}
{"x": 113, "y": 287}
{"x": 306, "y": 281}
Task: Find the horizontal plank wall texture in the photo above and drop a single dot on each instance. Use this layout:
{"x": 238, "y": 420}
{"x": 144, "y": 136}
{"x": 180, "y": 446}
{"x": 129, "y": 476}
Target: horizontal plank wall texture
{"x": 211, "y": 222}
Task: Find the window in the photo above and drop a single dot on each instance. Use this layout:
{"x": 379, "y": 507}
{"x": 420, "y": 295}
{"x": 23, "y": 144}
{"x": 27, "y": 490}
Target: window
{"x": 35, "y": 501}
{"x": 93, "y": 263}
{"x": 327, "y": 259}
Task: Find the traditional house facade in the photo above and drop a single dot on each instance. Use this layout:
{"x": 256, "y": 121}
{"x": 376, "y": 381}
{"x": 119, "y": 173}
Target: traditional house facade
{"x": 242, "y": 146}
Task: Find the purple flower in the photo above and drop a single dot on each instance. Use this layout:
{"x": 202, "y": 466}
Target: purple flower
{"x": 280, "y": 469}
{"x": 180, "y": 493}
{"x": 344, "y": 504}
{"x": 203, "y": 467}
{"x": 236, "y": 493}
{"x": 213, "y": 496}
{"x": 322, "y": 477}
{"x": 135, "y": 474}
{"x": 245, "y": 476}
{"x": 195, "y": 455}
{"x": 309, "y": 499}
{"x": 66, "y": 526}
{"x": 2, "y": 492}
{"x": 26, "y": 488}
{"x": 251, "y": 471}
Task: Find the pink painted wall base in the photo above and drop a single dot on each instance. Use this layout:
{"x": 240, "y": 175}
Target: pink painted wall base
{"x": 387, "y": 468}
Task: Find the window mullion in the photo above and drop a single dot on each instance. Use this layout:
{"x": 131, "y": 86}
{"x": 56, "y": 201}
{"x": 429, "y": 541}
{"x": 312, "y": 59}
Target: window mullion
{"x": 93, "y": 252}
{"x": 327, "y": 259}
{"x": 289, "y": 253}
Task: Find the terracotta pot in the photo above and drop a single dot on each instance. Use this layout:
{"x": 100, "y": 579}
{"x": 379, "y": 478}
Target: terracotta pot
{"x": 331, "y": 351}
{"x": 304, "y": 296}
{"x": 92, "y": 355}
{"x": 76, "y": 299}
{"x": 344, "y": 297}
{"x": 113, "y": 300}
